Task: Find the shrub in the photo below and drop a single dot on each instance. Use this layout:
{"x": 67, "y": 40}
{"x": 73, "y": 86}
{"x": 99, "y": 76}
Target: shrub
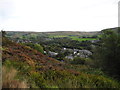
{"x": 9, "y": 78}
{"x": 37, "y": 47}
{"x": 78, "y": 60}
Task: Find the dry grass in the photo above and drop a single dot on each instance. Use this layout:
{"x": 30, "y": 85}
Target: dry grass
{"x": 9, "y": 81}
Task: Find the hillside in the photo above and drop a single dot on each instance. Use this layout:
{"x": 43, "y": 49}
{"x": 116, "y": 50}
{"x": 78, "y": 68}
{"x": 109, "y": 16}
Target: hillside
{"x": 15, "y": 34}
{"x": 18, "y": 52}
{"x": 40, "y": 71}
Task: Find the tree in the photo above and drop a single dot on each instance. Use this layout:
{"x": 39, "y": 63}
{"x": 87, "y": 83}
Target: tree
{"x": 37, "y": 47}
{"x": 107, "y": 54}
{"x": 5, "y": 40}
{"x": 3, "y": 33}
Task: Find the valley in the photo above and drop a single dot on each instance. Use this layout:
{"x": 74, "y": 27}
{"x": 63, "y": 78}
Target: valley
{"x": 61, "y": 59}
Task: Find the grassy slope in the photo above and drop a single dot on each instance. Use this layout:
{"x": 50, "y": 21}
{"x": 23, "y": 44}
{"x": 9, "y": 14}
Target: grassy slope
{"x": 43, "y": 72}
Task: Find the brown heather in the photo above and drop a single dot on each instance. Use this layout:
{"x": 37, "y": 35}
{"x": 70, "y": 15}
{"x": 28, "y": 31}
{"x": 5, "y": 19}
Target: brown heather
{"x": 9, "y": 80}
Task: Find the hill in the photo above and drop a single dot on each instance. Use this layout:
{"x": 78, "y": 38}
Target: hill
{"x": 31, "y": 69}
{"x": 20, "y": 34}
{"x": 15, "y": 34}
{"x": 18, "y": 52}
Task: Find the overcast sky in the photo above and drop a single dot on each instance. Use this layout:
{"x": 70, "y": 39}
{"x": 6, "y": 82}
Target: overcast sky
{"x": 58, "y": 15}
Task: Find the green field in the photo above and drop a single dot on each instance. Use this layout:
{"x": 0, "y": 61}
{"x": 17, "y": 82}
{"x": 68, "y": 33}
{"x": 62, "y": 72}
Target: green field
{"x": 57, "y": 36}
{"x": 73, "y": 37}
{"x": 82, "y": 39}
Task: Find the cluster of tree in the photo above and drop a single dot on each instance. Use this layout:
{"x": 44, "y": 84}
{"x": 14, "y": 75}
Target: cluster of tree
{"x": 107, "y": 53}
{"x": 37, "y": 47}
{"x": 56, "y": 43}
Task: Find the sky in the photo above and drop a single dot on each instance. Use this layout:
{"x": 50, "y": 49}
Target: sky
{"x": 58, "y": 15}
